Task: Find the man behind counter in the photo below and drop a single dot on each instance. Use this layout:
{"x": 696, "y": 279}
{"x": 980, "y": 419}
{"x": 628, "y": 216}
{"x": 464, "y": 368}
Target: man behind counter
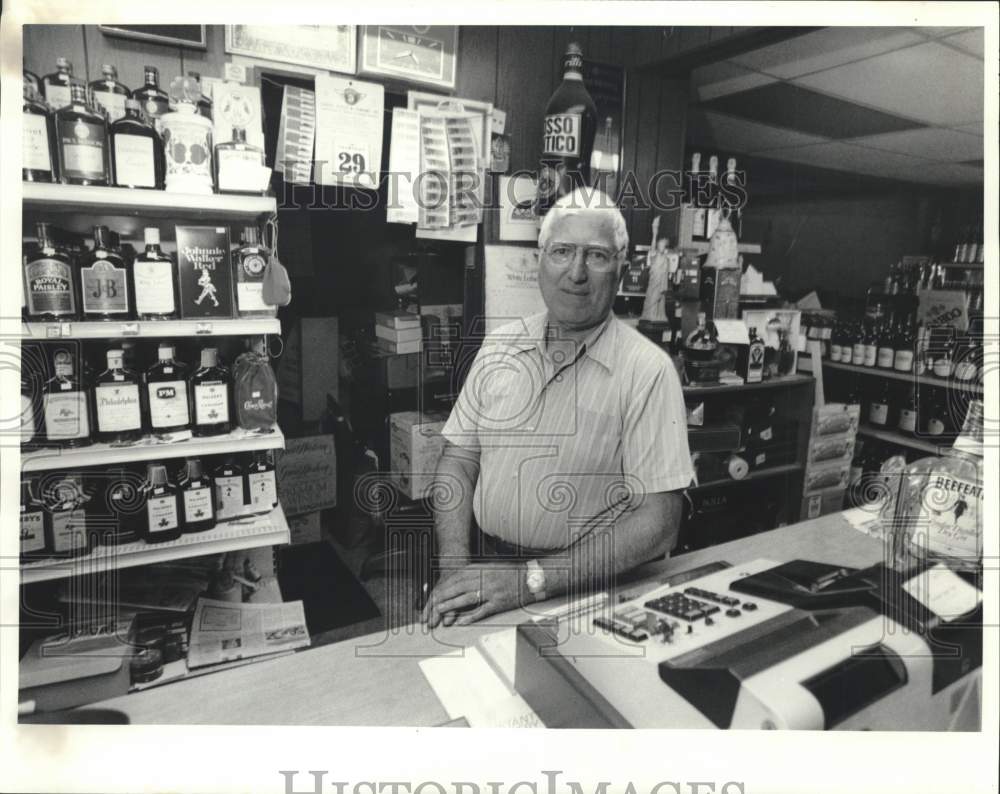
{"x": 568, "y": 442}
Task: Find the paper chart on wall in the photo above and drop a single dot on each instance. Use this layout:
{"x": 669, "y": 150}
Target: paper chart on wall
{"x": 349, "y": 127}
{"x": 511, "y": 288}
{"x": 404, "y": 167}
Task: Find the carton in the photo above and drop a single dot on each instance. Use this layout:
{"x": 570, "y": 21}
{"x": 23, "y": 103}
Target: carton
{"x": 415, "y": 444}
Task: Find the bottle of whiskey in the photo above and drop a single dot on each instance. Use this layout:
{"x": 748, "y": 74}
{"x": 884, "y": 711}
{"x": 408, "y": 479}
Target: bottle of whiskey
{"x": 136, "y": 150}
{"x": 210, "y": 395}
{"x": 755, "y": 358}
{"x": 32, "y": 524}
{"x": 125, "y": 504}
{"x": 49, "y": 280}
{"x": 56, "y": 86}
{"x": 166, "y": 392}
{"x": 109, "y": 94}
{"x": 81, "y": 141}
{"x": 878, "y": 411}
{"x": 907, "y": 423}
{"x": 38, "y": 139}
{"x": 886, "y": 345}
{"x": 936, "y": 415}
{"x": 261, "y": 483}
{"x": 568, "y": 134}
{"x": 66, "y": 406}
{"x": 153, "y": 101}
{"x": 155, "y": 284}
{"x": 66, "y": 532}
{"x": 117, "y": 402}
{"x": 249, "y": 264}
{"x": 163, "y": 511}
{"x": 237, "y": 165}
{"x": 904, "y": 347}
{"x": 198, "y": 497}
{"x": 230, "y": 490}
{"x": 870, "y": 341}
{"x": 104, "y": 282}
{"x": 858, "y": 344}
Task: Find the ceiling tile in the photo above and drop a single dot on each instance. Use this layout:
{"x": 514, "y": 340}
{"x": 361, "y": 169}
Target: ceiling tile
{"x": 943, "y": 174}
{"x": 971, "y": 41}
{"x": 723, "y": 77}
{"x": 899, "y": 82}
{"x": 846, "y": 157}
{"x": 826, "y": 48}
{"x": 932, "y": 143}
{"x": 739, "y": 135}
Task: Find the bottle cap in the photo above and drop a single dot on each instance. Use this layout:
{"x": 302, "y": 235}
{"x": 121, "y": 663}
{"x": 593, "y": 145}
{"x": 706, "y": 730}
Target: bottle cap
{"x": 115, "y": 358}
{"x": 193, "y": 469}
{"x": 63, "y": 63}
{"x": 239, "y": 135}
{"x": 102, "y": 236}
{"x": 165, "y": 352}
{"x": 151, "y": 72}
{"x": 157, "y": 475}
{"x": 209, "y": 356}
{"x": 151, "y": 235}
{"x": 43, "y": 231}
{"x": 78, "y": 94}
{"x": 109, "y": 71}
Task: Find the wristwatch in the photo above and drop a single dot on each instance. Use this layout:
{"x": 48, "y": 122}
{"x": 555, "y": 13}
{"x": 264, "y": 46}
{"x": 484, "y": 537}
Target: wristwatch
{"x": 535, "y": 579}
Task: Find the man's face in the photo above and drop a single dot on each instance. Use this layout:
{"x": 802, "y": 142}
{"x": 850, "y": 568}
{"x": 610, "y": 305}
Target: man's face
{"x": 576, "y": 296}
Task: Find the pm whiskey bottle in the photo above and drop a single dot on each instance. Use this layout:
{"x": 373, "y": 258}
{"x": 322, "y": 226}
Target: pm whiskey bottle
{"x": 104, "y": 282}
{"x": 166, "y": 393}
{"x": 210, "y": 395}
{"x": 153, "y": 274}
{"x": 117, "y": 402}
{"x": 49, "y": 280}
{"x": 38, "y": 139}
{"x": 82, "y": 142}
{"x": 109, "y": 94}
{"x": 65, "y": 405}
{"x": 136, "y": 150}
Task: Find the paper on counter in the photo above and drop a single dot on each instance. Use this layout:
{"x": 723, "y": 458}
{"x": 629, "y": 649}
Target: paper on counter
{"x": 943, "y": 592}
{"x": 222, "y": 631}
{"x": 349, "y": 127}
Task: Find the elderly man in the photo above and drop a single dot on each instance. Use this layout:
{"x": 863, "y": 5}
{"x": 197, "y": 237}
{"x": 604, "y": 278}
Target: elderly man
{"x": 568, "y": 442}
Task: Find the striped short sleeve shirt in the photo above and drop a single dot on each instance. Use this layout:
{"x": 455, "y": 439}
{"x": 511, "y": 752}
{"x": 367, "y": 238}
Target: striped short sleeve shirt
{"x": 568, "y": 432}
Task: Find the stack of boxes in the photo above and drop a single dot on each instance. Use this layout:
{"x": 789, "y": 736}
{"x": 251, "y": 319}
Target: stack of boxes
{"x": 398, "y": 332}
{"x": 828, "y": 466}
{"x": 415, "y": 444}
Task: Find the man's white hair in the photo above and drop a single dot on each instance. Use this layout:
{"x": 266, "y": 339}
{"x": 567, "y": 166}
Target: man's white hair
{"x": 585, "y": 199}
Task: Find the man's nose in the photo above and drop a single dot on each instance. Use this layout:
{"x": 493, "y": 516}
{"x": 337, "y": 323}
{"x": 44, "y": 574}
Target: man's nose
{"x": 578, "y": 267}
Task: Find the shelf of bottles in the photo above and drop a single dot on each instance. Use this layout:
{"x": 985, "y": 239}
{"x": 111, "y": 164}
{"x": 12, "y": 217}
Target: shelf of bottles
{"x": 925, "y": 378}
{"x": 901, "y": 439}
{"x": 754, "y": 474}
{"x": 252, "y": 532}
{"x": 153, "y": 329}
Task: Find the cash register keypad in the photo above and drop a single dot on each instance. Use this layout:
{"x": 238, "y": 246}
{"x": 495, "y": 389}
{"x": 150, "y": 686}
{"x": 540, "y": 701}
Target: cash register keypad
{"x": 729, "y": 601}
{"x": 678, "y": 605}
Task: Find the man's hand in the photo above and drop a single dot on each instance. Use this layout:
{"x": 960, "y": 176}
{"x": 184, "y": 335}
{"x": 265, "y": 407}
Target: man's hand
{"x": 473, "y": 592}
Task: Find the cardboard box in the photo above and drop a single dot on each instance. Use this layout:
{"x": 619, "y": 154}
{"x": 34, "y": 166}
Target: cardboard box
{"x": 307, "y": 474}
{"x": 415, "y": 444}
{"x": 308, "y": 367}
{"x": 204, "y": 271}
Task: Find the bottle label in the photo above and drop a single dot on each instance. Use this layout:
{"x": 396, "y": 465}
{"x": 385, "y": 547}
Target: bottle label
{"x": 66, "y": 416}
{"x": 198, "y": 505}
{"x": 858, "y": 354}
{"x": 935, "y": 427}
{"x": 908, "y": 420}
{"x": 250, "y": 297}
{"x": 211, "y": 403}
{"x": 50, "y": 287}
{"x": 903, "y": 360}
{"x": 58, "y": 95}
{"x": 942, "y": 367}
{"x": 161, "y": 511}
{"x": 886, "y": 355}
{"x": 83, "y": 149}
{"x": 239, "y": 169}
{"x": 154, "y": 287}
{"x": 168, "y": 404}
{"x": 878, "y": 413}
{"x": 113, "y": 104}
{"x": 32, "y": 531}
{"x": 755, "y": 363}
{"x": 965, "y": 370}
{"x": 229, "y": 496}
{"x": 835, "y": 352}
{"x": 263, "y": 493}
{"x": 118, "y": 407}
{"x": 134, "y": 166}
{"x": 562, "y": 135}
{"x": 949, "y": 515}
{"x": 104, "y": 289}
{"x": 35, "y": 154}
{"x": 69, "y": 530}
{"x": 871, "y": 355}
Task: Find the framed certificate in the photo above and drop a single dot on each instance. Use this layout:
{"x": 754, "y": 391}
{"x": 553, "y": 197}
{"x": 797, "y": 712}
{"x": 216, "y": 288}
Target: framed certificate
{"x": 191, "y": 36}
{"x": 328, "y": 47}
{"x": 420, "y": 54}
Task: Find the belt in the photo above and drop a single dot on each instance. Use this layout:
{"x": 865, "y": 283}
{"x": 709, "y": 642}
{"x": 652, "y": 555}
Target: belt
{"x": 492, "y": 546}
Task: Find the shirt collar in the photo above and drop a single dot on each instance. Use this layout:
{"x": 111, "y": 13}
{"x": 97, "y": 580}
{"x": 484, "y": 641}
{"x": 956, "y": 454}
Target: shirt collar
{"x": 600, "y": 342}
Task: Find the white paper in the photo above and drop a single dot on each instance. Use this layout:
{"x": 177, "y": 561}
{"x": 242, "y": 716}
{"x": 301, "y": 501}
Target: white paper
{"x": 517, "y": 213}
{"x": 296, "y": 135}
{"x": 943, "y": 592}
{"x": 404, "y": 166}
{"x": 732, "y": 332}
{"x": 222, "y": 631}
{"x": 511, "y": 284}
{"x": 349, "y": 126}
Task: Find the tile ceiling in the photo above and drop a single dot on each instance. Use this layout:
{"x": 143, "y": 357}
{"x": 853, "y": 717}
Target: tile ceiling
{"x": 898, "y": 103}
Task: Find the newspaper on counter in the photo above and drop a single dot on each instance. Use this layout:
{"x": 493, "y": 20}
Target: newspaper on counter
{"x": 223, "y": 631}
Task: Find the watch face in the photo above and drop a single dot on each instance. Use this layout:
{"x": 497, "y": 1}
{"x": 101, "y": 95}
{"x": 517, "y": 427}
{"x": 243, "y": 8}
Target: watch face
{"x": 410, "y": 53}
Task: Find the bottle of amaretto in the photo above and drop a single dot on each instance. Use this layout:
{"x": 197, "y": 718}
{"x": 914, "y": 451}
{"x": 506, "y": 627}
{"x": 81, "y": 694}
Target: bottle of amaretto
{"x": 568, "y": 134}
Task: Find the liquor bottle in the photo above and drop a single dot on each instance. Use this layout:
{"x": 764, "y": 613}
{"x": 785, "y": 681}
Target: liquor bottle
{"x": 66, "y": 406}
{"x": 187, "y": 140}
{"x": 712, "y": 214}
{"x": 117, "y": 402}
{"x": 870, "y": 341}
{"x": 210, "y": 395}
{"x": 698, "y": 199}
{"x": 786, "y": 355}
{"x": 836, "y": 343}
{"x": 81, "y": 141}
{"x": 136, "y": 150}
{"x": 49, "y": 280}
{"x": 858, "y": 344}
{"x": 125, "y": 503}
{"x": 230, "y": 490}
{"x": 204, "y": 102}
{"x": 152, "y": 101}
{"x": 153, "y": 273}
{"x": 56, "y": 87}
{"x": 66, "y": 532}
{"x": 104, "y": 281}
{"x": 166, "y": 393}
{"x": 921, "y": 356}
{"x": 729, "y": 191}
{"x": 942, "y": 502}
{"x": 163, "y": 511}
{"x": 568, "y": 134}
{"x": 886, "y": 345}
{"x": 109, "y": 94}
{"x": 32, "y": 523}
{"x": 878, "y": 411}
{"x": 904, "y": 347}
{"x": 943, "y": 349}
{"x": 854, "y": 396}
{"x": 34, "y": 82}
{"x": 936, "y": 419}
{"x": 197, "y": 497}
{"x": 261, "y": 483}
{"x": 238, "y": 165}
{"x": 38, "y": 139}
{"x": 968, "y": 356}
{"x": 907, "y": 422}
{"x": 249, "y": 264}
{"x": 755, "y": 358}
{"x": 30, "y": 399}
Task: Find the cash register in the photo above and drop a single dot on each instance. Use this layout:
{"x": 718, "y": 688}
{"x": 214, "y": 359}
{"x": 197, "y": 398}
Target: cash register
{"x": 764, "y": 645}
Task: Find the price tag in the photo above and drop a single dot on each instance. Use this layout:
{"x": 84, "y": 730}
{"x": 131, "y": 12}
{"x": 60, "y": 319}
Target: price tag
{"x": 130, "y": 329}
{"x": 203, "y": 328}
{"x": 64, "y": 329}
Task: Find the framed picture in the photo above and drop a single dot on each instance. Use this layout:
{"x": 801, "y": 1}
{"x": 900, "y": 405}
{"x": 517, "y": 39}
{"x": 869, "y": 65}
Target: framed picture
{"x": 327, "y": 47}
{"x": 481, "y": 111}
{"x": 419, "y": 54}
{"x": 191, "y": 36}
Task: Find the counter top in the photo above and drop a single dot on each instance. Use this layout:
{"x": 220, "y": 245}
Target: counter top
{"x": 376, "y": 680}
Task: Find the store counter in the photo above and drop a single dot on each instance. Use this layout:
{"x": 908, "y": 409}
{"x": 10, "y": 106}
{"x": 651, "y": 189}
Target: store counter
{"x": 376, "y": 680}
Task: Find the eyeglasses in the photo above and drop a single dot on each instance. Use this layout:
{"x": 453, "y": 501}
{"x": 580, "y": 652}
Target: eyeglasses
{"x": 595, "y": 257}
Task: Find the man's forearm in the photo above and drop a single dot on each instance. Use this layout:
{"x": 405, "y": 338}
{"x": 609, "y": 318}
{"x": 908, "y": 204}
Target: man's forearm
{"x": 457, "y": 473}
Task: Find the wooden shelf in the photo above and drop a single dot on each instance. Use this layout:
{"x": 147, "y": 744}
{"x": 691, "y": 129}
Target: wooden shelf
{"x": 902, "y": 440}
{"x": 754, "y": 474}
{"x": 149, "y": 449}
{"x": 165, "y": 329}
{"x": 721, "y": 388}
{"x": 908, "y": 377}
{"x": 249, "y": 533}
